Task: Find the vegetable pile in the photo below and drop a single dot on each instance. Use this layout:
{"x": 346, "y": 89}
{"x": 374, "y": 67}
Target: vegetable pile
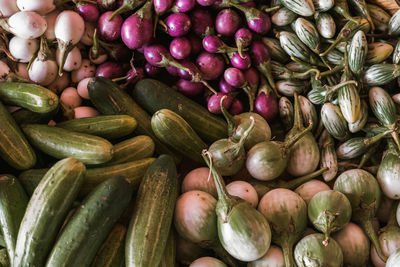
{"x": 199, "y": 133}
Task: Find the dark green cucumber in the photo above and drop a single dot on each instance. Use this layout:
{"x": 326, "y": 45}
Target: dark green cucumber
{"x": 14, "y": 148}
{"x": 111, "y": 253}
{"x": 61, "y": 143}
{"x": 25, "y": 116}
{"x": 91, "y": 224}
{"x": 169, "y": 256}
{"x": 109, "y": 99}
{"x": 47, "y": 208}
{"x": 13, "y": 203}
{"x": 138, "y": 147}
{"x": 173, "y": 130}
{"x": 4, "y": 259}
{"x": 152, "y": 214}
{"x": 106, "y": 126}
{"x": 154, "y": 95}
{"x": 30, "y": 96}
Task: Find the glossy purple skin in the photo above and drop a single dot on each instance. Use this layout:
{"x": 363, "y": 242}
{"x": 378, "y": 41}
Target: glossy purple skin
{"x": 259, "y": 53}
{"x": 189, "y": 88}
{"x": 214, "y": 103}
{"x": 236, "y": 107}
{"x": 211, "y": 65}
{"x": 161, "y": 6}
{"x": 183, "y": 73}
{"x": 266, "y": 106}
{"x": 212, "y": 43}
{"x": 195, "y": 44}
{"x": 234, "y": 77}
{"x": 244, "y": 36}
{"x": 260, "y": 25}
{"x": 109, "y": 30}
{"x": 89, "y": 12}
{"x": 110, "y": 70}
{"x": 173, "y": 71}
{"x": 180, "y": 48}
{"x": 202, "y": 21}
{"x": 154, "y": 54}
{"x": 151, "y": 70}
{"x": 225, "y": 87}
{"x": 252, "y": 76}
{"x": 121, "y": 53}
{"x": 205, "y": 2}
{"x": 136, "y": 32}
{"x": 227, "y": 22}
{"x": 135, "y": 75}
{"x": 178, "y": 24}
{"x": 242, "y": 63}
{"x": 184, "y": 5}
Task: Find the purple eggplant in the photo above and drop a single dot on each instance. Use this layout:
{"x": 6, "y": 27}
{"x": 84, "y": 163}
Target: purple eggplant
{"x": 195, "y": 44}
{"x": 151, "y": 70}
{"x": 189, "y": 88}
{"x": 180, "y": 48}
{"x": 173, "y": 71}
{"x": 202, "y": 22}
{"x": 235, "y": 77}
{"x": 205, "y": 2}
{"x": 134, "y": 75}
{"x": 243, "y": 38}
{"x": 110, "y": 70}
{"x": 162, "y": 6}
{"x": 183, "y": 6}
{"x": 88, "y": 11}
{"x": 225, "y": 87}
{"x": 214, "y": 103}
{"x": 227, "y": 22}
{"x": 257, "y": 20}
{"x": 177, "y": 24}
{"x": 109, "y": 30}
{"x": 211, "y": 65}
{"x": 252, "y": 77}
{"x": 242, "y": 62}
{"x": 117, "y": 51}
{"x": 128, "y": 5}
{"x": 213, "y": 44}
{"x": 266, "y": 103}
{"x": 191, "y": 73}
{"x": 236, "y": 107}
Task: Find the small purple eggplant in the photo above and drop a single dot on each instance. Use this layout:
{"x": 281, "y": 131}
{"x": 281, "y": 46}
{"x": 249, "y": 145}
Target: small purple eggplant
{"x": 243, "y": 39}
{"x": 180, "y": 48}
{"x": 266, "y": 103}
{"x": 211, "y": 65}
{"x": 213, "y": 44}
{"x": 177, "y": 24}
{"x": 214, "y": 103}
{"x": 242, "y": 62}
{"x": 109, "y": 30}
{"x": 189, "y": 88}
{"x": 227, "y": 22}
{"x": 257, "y": 21}
{"x": 202, "y": 22}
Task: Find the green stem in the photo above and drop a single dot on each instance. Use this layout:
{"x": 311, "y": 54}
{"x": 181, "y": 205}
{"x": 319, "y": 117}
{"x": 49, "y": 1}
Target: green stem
{"x": 298, "y": 117}
{"x": 332, "y": 46}
{"x": 287, "y": 252}
{"x": 64, "y": 51}
{"x": 247, "y": 132}
{"x": 333, "y": 89}
{"x": 369, "y": 231}
{"x": 271, "y": 9}
{"x": 372, "y": 140}
{"x": 250, "y": 95}
{"x": 364, "y": 158}
{"x": 297, "y": 75}
{"x": 298, "y": 136}
{"x": 332, "y": 71}
{"x": 265, "y": 69}
{"x": 232, "y": 124}
{"x": 299, "y": 61}
{"x": 293, "y": 184}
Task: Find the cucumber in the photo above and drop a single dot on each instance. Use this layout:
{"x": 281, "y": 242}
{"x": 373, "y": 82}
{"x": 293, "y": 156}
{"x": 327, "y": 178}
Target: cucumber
{"x": 107, "y": 126}
{"x": 25, "y": 116}
{"x": 111, "y": 253}
{"x": 61, "y": 143}
{"x": 169, "y": 256}
{"x": 138, "y": 147}
{"x": 46, "y": 210}
{"x": 91, "y": 224}
{"x": 4, "y": 259}
{"x": 152, "y": 214}
{"x": 31, "y": 178}
{"x": 173, "y": 130}
{"x": 109, "y": 99}
{"x": 13, "y": 203}
{"x": 153, "y": 95}
{"x": 14, "y": 148}
{"x": 30, "y": 96}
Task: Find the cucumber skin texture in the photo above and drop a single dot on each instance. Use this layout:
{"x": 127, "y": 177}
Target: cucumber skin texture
{"x": 14, "y": 147}
{"x": 61, "y": 143}
{"x": 152, "y": 215}
{"x": 173, "y": 130}
{"x": 169, "y": 255}
{"x": 132, "y": 171}
{"x": 30, "y": 96}
{"x": 91, "y": 224}
{"x": 106, "y": 126}
{"x": 110, "y": 99}
{"x": 25, "y": 116}
{"x": 46, "y": 211}
{"x": 153, "y": 95}
{"x": 13, "y": 203}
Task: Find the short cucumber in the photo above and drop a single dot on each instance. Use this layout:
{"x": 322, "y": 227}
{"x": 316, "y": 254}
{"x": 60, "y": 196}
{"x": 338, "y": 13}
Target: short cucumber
{"x": 91, "y": 224}
{"x": 111, "y": 253}
{"x": 61, "y": 143}
{"x": 14, "y": 148}
{"x": 106, "y": 126}
{"x": 152, "y": 214}
{"x": 30, "y": 96}
{"x": 13, "y": 203}
{"x": 154, "y": 95}
{"x": 169, "y": 256}
{"x": 46, "y": 210}
{"x": 173, "y": 130}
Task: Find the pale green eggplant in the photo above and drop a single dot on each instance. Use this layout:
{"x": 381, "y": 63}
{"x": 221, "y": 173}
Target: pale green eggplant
{"x": 323, "y": 93}
{"x": 335, "y": 57}
{"x": 360, "y": 7}
{"x": 388, "y": 172}
{"x": 396, "y": 53}
{"x": 378, "y": 52}
{"x": 273, "y": 258}
{"x": 329, "y": 211}
{"x": 286, "y": 112}
{"x": 380, "y": 17}
{"x": 357, "y": 52}
{"x": 347, "y": 32}
{"x": 342, "y": 8}
{"x": 295, "y": 48}
{"x": 304, "y": 8}
{"x": 334, "y": 121}
{"x": 308, "y": 111}
{"x": 275, "y": 50}
{"x": 361, "y": 119}
{"x": 296, "y": 67}
{"x": 323, "y": 5}
{"x": 326, "y": 25}
{"x": 355, "y": 245}
{"x": 394, "y": 24}
{"x": 286, "y": 212}
{"x": 328, "y": 156}
{"x": 283, "y": 17}
{"x": 380, "y": 74}
{"x": 289, "y": 87}
{"x": 207, "y": 262}
{"x": 309, "y": 189}
{"x": 364, "y": 194}
{"x": 243, "y": 231}
{"x": 307, "y": 33}
{"x": 394, "y": 259}
{"x": 279, "y": 71}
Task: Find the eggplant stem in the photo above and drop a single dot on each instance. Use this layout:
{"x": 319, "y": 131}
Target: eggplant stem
{"x": 332, "y": 46}
{"x": 271, "y": 9}
{"x": 396, "y": 139}
{"x": 372, "y": 140}
{"x": 301, "y": 62}
{"x": 247, "y": 89}
{"x": 265, "y": 69}
{"x": 287, "y": 252}
{"x": 292, "y": 184}
{"x": 247, "y": 132}
{"x": 209, "y": 87}
{"x": 367, "y": 155}
{"x": 332, "y": 71}
{"x": 369, "y": 231}
{"x": 119, "y": 10}
{"x": 298, "y": 136}
{"x": 297, "y": 75}
{"x": 298, "y": 118}
{"x": 64, "y": 51}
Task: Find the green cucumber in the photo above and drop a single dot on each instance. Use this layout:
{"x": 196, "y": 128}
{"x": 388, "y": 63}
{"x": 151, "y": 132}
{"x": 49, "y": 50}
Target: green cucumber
{"x": 13, "y": 203}
{"x": 30, "y": 96}
{"x": 138, "y": 147}
{"x": 153, "y": 95}
{"x": 25, "y": 116}
{"x": 107, "y": 126}
{"x": 152, "y": 214}
{"x": 169, "y": 256}
{"x": 4, "y": 259}
{"x": 111, "y": 253}
{"x": 46, "y": 210}
{"x": 109, "y": 99}
{"x": 14, "y": 148}
{"x": 61, "y": 143}
{"x": 173, "y": 130}
{"x": 90, "y": 225}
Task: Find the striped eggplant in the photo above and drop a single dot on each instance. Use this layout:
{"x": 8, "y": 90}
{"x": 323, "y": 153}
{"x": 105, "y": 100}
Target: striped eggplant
{"x": 357, "y": 52}
{"x": 328, "y": 156}
{"x": 304, "y": 8}
{"x": 362, "y": 190}
{"x": 308, "y": 112}
{"x": 394, "y": 24}
{"x": 379, "y": 17}
{"x": 380, "y": 74}
{"x": 323, "y": 5}
{"x": 290, "y": 87}
{"x": 388, "y": 172}
{"x": 286, "y": 112}
{"x": 378, "y": 52}
{"x": 308, "y": 34}
{"x": 276, "y": 51}
{"x": 335, "y": 57}
{"x": 295, "y": 48}
{"x": 334, "y": 121}
{"x": 326, "y": 25}
{"x": 342, "y": 8}
{"x": 283, "y": 17}
{"x": 296, "y": 67}
{"x": 361, "y": 119}
{"x": 279, "y": 71}
{"x": 243, "y": 231}
{"x": 323, "y": 93}
{"x": 361, "y": 9}
{"x": 396, "y": 53}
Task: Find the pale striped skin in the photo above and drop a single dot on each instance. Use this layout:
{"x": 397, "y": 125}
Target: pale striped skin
{"x": 302, "y": 7}
{"x": 293, "y": 46}
{"x": 361, "y": 119}
{"x": 334, "y": 121}
{"x": 307, "y": 33}
{"x": 357, "y": 52}
{"x": 283, "y": 17}
{"x": 328, "y": 156}
{"x": 326, "y": 25}
{"x": 349, "y": 102}
{"x": 394, "y": 24}
{"x": 276, "y": 51}
{"x": 382, "y": 105}
{"x": 378, "y": 52}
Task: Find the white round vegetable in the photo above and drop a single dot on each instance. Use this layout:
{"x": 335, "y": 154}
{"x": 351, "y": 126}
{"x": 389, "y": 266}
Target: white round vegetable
{"x": 207, "y": 262}
{"x": 87, "y": 69}
{"x": 311, "y": 188}
{"x": 26, "y": 24}
{"x": 23, "y": 49}
{"x": 8, "y": 8}
{"x": 60, "y": 83}
{"x": 244, "y": 190}
{"x": 82, "y": 88}
{"x": 43, "y": 72}
{"x": 73, "y": 60}
{"x": 70, "y": 97}
{"x": 273, "y": 258}
{"x": 22, "y": 70}
{"x": 199, "y": 179}
{"x": 4, "y": 70}
{"x": 85, "y": 112}
{"x": 87, "y": 37}
{"x": 51, "y": 22}
{"x": 40, "y": 6}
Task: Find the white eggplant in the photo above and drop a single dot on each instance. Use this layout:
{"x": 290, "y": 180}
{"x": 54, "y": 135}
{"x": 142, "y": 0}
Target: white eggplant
{"x": 51, "y": 22}
{"x": 40, "y": 6}
{"x": 25, "y": 24}
{"x": 244, "y": 190}
{"x": 8, "y": 8}
{"x": 23, "y": 49}
{"x": 199, "y": 179}
{"x": 73, "y": 60}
